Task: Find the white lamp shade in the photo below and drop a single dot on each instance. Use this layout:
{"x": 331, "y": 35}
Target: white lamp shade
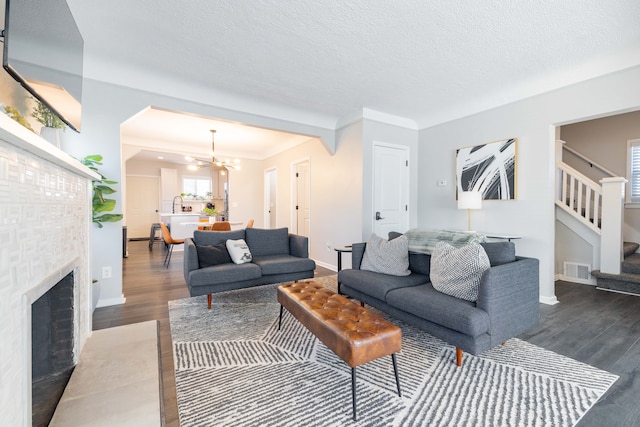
{"x": 469, "y": 200}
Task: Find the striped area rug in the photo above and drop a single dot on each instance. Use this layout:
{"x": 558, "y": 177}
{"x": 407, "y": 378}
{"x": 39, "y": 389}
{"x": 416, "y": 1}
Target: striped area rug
{"x": 234, "y": 368}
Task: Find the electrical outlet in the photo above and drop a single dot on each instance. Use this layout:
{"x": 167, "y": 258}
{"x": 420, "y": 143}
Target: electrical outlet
{"x": 442, "y": 182}
{"x": 328, "y": 247}
{"x": 106, "y": 272}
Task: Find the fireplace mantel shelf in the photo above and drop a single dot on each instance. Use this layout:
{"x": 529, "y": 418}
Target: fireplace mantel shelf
{"x": 16, "y": 134}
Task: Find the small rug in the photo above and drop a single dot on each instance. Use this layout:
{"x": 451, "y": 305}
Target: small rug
{"x": 234, "y": 368}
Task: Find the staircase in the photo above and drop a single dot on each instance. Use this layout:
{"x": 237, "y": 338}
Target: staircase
{"x": 628, "y": 281}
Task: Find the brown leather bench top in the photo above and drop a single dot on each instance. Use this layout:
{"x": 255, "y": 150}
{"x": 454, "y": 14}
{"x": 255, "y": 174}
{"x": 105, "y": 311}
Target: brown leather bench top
{"x": 352, "y": 332}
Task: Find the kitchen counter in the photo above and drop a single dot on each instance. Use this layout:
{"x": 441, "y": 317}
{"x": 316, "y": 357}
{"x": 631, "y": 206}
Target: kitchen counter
{"x": 175, "y": 221}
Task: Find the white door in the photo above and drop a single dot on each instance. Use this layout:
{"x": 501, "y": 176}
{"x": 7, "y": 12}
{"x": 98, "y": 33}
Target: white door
{"x": 270, "y": 205}
{"x": 391, "y": 189}
{"x": 302, "y": 204}
{"x": 143, "y": 202}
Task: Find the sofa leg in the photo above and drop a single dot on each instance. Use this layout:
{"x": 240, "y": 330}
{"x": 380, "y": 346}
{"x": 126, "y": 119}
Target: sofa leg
{"x": 209, "y": 298}
{"x": 504, "y": 343}
{"x": 361, "y": 304}
{"x": 458, "y": 356}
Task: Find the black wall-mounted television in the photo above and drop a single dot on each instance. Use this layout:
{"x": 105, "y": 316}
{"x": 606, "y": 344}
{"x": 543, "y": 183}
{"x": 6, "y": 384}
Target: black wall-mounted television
{"x": 43, "y": 51}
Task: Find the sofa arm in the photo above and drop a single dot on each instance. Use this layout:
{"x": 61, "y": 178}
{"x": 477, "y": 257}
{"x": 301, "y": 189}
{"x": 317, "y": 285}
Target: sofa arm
{"x": 510, "y": 295}
{"x": 190, "y": 258}
{"x": 298, "y": 246}
{"x": 357, "y": 252}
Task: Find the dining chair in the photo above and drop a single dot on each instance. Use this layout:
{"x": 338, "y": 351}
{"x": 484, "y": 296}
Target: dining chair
{"x": 170, "y": 242}
{"x": 221, "y": 226}
{"x": 250, "y": 223}
{"x": 205, "y": 224}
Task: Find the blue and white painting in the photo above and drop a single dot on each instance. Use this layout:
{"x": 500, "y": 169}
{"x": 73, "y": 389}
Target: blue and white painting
{"x": 488, "y": 168}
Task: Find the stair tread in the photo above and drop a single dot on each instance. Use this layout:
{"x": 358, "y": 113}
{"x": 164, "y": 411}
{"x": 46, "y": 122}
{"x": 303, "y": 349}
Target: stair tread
{"x": 627, "y": 277}
{"x": 629, "y": 248}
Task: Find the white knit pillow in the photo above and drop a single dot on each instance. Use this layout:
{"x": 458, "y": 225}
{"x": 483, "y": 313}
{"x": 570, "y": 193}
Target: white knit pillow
{"x": 239, "y": 251}
{"x": 386, "y": 256}
{"x": 457, "y": 271}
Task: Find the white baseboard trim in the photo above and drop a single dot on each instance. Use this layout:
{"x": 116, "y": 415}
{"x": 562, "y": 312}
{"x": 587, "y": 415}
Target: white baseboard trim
{"x": 549, "y": 300}
{"x": 106, "y": 302}
{"x": 326, "y": 265}
{"x": 590, "y": 282}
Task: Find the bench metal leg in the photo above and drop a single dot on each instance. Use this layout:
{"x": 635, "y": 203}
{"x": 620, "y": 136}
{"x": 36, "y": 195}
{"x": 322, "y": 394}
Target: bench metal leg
{"x": 395, "y": 371}
{"x": 353, "y": 392}
{"x": 280, "y": 318}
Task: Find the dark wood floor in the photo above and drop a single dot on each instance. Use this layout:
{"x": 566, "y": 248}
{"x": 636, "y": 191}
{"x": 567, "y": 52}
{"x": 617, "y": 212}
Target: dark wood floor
{"x": 599, "y": 328}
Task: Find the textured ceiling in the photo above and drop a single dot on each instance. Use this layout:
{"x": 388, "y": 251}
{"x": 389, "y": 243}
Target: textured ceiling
{"x": 320, "y": 61}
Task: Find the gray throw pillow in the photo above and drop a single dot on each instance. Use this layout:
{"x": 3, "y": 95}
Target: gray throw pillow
{"x": 458, "y": 271}
{"x": 209, "y": 255}
{"x": 387, "y": 257}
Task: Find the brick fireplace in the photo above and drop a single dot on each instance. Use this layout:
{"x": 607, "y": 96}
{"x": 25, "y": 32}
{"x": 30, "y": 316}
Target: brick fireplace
{"x": 45, "y": 229}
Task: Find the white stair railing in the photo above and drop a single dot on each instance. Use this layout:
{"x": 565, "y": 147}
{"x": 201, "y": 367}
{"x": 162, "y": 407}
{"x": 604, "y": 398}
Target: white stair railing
{"x": 579, "y": 195}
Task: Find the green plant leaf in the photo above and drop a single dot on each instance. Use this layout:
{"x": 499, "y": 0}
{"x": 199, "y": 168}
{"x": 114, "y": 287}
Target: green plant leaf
{"x": 109, "y": 218}
{"x": 106, "y": 206}
{"x": 104, "y": 189}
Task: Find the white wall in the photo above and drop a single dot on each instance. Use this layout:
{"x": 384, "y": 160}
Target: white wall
{"x": 105, "y": 108}
{"x": 532, "y": 121}
{"x": 335, "y": 197}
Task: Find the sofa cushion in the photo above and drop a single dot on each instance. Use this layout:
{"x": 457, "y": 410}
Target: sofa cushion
{"x": 457, "y": 271}
{"x": 283, "y": 264}
{"x": 386, "y": 256}
{"x": 224, "y": 273}
{"x": 215, "y": 237}
{"x": 209, "y": 255}
{"x": 239, "y": 251}
{"x": 268, "y": 241}
{"x": 454, "y": 313}
{"x": 500, "y": 252}
{"x": 377, "y": 284}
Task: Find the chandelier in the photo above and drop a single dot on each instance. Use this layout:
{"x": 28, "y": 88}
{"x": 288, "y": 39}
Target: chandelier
{"x": 205, "y": 163}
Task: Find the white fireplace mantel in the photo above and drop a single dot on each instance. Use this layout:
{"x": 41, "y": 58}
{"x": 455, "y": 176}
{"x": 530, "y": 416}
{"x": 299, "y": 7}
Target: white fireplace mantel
{"x": 16, "y": 134}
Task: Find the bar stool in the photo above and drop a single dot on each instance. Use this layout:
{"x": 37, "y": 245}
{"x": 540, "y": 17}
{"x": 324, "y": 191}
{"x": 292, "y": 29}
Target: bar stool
{"x": 152, "y": 235}
{"x": 170, "y": 242}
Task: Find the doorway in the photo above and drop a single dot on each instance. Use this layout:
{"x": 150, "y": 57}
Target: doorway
{"x": 270, "y": 198}
{"x": 301, "y": 203}
{"x": 143, "y": 202}
{"x": 391, "y": 189}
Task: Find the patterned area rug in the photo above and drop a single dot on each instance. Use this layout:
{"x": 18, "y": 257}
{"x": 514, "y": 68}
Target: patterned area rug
{"x": 234, "y": 368}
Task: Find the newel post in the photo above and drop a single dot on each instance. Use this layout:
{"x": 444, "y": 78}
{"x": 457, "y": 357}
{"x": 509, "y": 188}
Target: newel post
{"x": 612, "y": 218}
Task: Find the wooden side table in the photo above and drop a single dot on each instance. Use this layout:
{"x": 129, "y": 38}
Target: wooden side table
{"x": 340, "y": 250}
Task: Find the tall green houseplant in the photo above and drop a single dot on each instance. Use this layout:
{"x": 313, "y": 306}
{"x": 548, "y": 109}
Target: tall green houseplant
{"x": 101, "y": 204}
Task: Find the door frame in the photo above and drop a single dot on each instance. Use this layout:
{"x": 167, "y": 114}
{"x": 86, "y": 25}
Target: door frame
{"x": 406, "y": 179}
{"x": 294, "y": 190}
{"x": 268, "y": 174}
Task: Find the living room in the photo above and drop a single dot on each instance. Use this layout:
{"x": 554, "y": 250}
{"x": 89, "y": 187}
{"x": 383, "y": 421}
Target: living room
{"x": 599, "y": 85}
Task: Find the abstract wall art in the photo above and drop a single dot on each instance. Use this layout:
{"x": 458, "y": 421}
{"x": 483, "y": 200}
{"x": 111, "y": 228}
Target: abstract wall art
{"x": 488, "y": 168}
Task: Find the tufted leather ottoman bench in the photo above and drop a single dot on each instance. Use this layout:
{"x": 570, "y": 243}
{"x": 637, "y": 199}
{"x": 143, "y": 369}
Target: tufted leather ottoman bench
{"x": 353, "y": 333}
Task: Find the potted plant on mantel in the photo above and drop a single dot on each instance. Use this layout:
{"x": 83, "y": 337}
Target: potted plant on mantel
{"x": 51, "y": 124}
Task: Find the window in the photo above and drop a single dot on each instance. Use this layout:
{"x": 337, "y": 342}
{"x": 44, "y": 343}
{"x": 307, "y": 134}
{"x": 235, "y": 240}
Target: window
{"x": 633, "y": 171}
{"x": 197, "y": 186}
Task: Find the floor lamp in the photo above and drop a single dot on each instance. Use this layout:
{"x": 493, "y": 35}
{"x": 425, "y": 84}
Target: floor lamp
{"x": 469, "y": 200}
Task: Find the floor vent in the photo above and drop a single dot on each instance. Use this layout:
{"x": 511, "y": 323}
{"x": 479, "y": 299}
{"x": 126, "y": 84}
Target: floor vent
{"x": 577, "y": 271}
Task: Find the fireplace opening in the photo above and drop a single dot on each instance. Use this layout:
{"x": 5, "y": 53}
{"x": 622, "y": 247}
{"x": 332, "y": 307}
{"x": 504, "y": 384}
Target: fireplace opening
{"x": 52, "y": 325}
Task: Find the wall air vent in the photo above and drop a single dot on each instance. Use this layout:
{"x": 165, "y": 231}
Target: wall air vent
{"x": 574, "y": 270}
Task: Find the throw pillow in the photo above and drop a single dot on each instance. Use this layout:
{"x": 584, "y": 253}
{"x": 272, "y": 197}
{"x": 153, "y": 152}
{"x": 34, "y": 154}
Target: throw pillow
{"x": 386, "y": 256}
{"x": 209, "y": 255}
{"x": 239, "y": 251}
{"x": 458, "y": 271}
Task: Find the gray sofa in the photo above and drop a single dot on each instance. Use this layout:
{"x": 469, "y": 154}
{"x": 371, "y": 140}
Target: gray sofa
{"x": 277, "y": 257}
{"x": 507, "y": 304}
